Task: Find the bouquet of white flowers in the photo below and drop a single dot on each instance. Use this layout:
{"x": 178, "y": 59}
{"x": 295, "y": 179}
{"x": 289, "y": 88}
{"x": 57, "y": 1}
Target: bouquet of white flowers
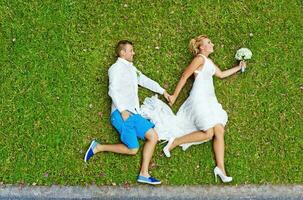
{"x": 243, "y": 54}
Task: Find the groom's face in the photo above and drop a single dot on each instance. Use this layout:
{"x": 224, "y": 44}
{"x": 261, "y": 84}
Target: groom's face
{"x": 128, "y": 53}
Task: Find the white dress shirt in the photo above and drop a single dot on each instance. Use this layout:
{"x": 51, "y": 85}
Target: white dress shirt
{"x": 123, "y": 86}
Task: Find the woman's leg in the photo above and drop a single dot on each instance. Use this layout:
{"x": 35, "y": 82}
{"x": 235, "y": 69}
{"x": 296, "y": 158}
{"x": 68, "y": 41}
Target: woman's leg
{"x": 218, "y": 146}
{"x": 197, "y": 136}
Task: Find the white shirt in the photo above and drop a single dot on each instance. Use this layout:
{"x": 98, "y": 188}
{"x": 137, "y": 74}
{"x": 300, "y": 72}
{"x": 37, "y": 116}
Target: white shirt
{"x": 123, "y": 86}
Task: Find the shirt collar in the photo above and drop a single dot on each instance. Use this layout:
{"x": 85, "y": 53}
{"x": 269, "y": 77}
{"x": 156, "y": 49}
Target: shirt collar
{"x": 125, "y": 61}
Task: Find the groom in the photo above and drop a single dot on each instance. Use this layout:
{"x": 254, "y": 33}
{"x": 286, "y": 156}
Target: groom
{"x": 125, "y": 113}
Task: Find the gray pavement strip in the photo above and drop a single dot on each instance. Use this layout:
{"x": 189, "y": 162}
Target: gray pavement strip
{"x": 242, "y": 192}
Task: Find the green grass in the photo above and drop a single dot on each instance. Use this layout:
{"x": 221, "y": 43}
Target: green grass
{"x": 54, "y": 60}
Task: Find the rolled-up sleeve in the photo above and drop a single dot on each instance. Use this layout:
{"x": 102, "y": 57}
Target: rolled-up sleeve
{"x": 148, "y": 83}
{"x": 115, "y": 85}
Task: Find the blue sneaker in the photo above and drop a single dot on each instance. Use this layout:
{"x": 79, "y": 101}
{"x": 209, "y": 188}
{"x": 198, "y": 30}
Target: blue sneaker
{"x": 89, "y": 153}
{"x": 148, "y": 180}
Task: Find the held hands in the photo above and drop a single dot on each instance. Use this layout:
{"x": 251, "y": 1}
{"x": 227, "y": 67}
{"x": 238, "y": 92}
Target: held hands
{"x": 166, "y": 96}
{"x": 172, "y": 99}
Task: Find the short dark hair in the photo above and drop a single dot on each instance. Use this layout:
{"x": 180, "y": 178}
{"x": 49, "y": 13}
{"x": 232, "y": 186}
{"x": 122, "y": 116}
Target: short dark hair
{"x": 121, "y": 45}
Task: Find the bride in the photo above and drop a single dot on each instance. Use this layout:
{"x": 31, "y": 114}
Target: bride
{"x": 201, "y": 117}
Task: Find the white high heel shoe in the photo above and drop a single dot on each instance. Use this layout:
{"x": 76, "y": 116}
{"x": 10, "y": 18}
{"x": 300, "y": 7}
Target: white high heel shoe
{"x": 224, "y": 178}
{"x": 166, "y": 148}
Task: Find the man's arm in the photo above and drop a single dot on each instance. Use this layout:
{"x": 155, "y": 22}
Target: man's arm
{"x": 148, "y": 83}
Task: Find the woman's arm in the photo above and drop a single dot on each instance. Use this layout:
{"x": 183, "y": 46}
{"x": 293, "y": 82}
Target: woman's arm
{"x": 229, "y": 72}
{"x": 197, "y": 62}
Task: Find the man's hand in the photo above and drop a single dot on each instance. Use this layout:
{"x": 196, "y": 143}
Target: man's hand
{"x": 125, "y": 115}
{"x": 167, "y": 96}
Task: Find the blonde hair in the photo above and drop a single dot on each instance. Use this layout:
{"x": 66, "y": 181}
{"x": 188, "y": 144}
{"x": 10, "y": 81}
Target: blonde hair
{"x": 195, "y": 43}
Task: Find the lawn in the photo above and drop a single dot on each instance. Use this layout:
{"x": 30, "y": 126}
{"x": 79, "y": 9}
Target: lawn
{"x": 54, "y": 57}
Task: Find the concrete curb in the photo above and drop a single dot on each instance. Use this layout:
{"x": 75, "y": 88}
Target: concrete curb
{"x": 150, "y": 192}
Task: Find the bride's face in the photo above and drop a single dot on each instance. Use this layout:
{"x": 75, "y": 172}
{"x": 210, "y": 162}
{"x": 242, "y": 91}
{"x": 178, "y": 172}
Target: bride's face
{"x": 207, "y": 46}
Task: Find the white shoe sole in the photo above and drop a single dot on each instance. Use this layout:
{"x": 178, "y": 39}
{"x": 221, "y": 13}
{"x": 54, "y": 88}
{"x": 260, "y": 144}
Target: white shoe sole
{"x": 90, "y": 146}
{"x": 156, "y": 183}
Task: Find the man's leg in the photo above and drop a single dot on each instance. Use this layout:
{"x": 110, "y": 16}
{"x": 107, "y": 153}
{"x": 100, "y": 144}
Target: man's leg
{"x": 148, "y": 150}
{"x": 127, "y": 133}
{"x": 115, "y": 148}
{"x": 128, "y": 136}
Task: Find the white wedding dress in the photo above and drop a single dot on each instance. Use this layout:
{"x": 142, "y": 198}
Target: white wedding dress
{"x": 200, "y": 111}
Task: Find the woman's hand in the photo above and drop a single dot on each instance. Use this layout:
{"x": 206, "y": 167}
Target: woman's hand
{"x": 242, "y": 64}
{"x": 172, "y": 99}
